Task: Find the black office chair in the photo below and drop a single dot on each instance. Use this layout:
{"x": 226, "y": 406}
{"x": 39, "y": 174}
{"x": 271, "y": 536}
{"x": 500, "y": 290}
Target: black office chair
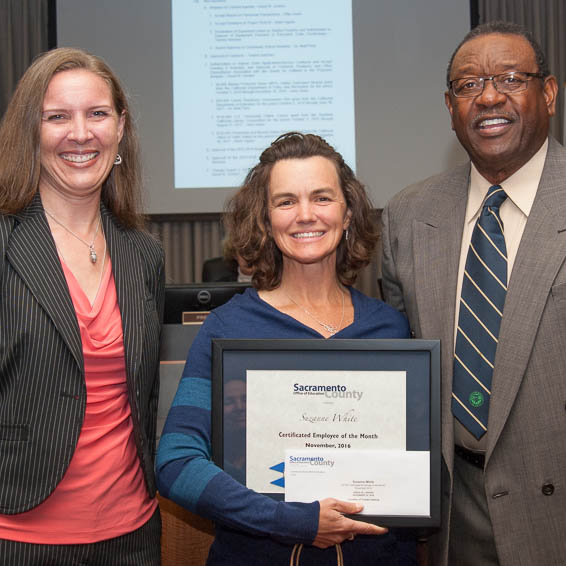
{"x": 219, "y": 269}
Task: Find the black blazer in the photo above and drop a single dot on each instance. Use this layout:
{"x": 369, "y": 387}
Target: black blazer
{"x": 42, "y": 385}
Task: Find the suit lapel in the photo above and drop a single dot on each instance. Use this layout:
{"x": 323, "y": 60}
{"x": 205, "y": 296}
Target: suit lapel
{"x": 437, "y": 242}
{"x": 540, "y": 255}
{"x": 33, "y": 255}
{"x": 129, "y": 279}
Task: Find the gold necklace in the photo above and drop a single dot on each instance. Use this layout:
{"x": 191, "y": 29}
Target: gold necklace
{"x": 331, "y": 329}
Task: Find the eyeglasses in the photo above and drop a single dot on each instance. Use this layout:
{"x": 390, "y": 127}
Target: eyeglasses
{"x": 504, "y": 83}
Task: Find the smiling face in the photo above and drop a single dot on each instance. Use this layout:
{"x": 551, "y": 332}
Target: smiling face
{"x": 307, "y": 209}
{"x": 79, "y": 136}
{"x": 500, "y": 132}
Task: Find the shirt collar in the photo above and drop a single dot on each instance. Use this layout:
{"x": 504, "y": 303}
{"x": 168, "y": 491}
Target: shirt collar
{"x": 521, "y": 187}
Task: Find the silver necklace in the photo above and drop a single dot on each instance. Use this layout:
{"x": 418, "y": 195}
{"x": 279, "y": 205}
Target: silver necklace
{"x": 331, "y": 329}
{"x": 101, "y": 274}
{"x": 101, "y": 271}
{"x": 92, "y": 251}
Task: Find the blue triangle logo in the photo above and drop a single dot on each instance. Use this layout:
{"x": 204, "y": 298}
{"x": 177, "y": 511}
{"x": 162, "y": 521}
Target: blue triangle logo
{"x": 280, "y": 482}
{"x": 278, "y": 467}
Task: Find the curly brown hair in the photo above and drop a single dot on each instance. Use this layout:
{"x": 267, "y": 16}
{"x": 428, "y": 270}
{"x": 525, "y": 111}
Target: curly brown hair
{"x": 247, "y": 216}
{"x": 20, "y": 136}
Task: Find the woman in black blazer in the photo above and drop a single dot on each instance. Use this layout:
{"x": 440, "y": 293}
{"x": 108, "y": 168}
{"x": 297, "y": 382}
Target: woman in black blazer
{"x": 80, "y": 317}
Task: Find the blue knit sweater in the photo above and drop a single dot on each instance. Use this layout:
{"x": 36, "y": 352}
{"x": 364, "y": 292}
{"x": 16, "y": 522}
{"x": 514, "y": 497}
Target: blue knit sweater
{"x": 253, "y": 529}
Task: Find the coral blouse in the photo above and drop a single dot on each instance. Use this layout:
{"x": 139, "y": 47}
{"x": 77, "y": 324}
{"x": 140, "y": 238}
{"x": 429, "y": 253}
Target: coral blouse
{"x": 103, "y": 493}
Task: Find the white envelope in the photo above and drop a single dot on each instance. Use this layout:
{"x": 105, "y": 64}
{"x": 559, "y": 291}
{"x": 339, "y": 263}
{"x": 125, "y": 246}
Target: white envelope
{"x": 386, "y": 482}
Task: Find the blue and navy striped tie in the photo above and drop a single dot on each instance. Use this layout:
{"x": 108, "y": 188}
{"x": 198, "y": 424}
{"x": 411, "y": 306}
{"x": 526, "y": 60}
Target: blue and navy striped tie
{"x": 484, "y": 288}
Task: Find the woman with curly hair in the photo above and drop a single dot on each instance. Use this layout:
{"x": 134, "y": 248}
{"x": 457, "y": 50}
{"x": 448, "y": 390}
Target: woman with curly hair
{"x": 302, "y": 223}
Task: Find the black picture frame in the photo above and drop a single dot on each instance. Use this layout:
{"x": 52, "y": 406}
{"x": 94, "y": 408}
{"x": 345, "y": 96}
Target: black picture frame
{"x": 420, "y": 359}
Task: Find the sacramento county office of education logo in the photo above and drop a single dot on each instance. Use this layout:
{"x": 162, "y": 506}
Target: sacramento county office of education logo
{"x": 311, "y": 461}
{"x": 329, "y": 391}
{"x": 476, "y": 399}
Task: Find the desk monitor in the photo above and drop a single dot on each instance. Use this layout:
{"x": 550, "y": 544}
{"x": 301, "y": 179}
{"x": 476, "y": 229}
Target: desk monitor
{"x": 197, "y": 297}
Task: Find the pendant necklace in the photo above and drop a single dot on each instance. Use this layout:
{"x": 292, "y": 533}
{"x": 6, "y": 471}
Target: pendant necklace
{"x": 101, "y": 271}
{"x": 331, "y": 329}
{"x": 92, "y": 251}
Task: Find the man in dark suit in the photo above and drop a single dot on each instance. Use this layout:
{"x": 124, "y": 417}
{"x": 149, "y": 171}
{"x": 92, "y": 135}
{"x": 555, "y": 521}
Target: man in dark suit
{"x": 504, "y": 473}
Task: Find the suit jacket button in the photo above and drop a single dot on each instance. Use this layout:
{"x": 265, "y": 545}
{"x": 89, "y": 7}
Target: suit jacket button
{"x": 547, "y": 489}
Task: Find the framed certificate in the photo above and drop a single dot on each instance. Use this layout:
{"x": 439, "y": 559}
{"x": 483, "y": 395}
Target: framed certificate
{"x": 357, "y": 420}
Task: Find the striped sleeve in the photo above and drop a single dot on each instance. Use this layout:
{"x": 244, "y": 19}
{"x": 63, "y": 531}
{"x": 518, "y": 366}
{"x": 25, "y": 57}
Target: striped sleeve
{"x": 186, "y": 474}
